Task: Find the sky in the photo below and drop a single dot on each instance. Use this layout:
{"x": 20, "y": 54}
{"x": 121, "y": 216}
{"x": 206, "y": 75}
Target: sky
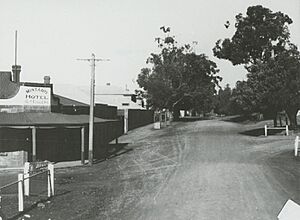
{"x": 53, "y": 34}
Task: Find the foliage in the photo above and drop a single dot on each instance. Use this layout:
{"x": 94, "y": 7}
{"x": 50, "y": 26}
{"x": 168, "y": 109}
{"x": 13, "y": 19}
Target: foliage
{"x": 179, "y": 78}
{"x": 277, "y": 82}
{"x": 261, "y": 42}
{"x": 223, "y": 103}
{"x": 259, "y": 35}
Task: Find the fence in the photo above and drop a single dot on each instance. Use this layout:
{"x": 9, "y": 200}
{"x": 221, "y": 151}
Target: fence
{"x": 34, "y": 185}
{"x": 286, "y": 128}
{"x": 134, "y": 118}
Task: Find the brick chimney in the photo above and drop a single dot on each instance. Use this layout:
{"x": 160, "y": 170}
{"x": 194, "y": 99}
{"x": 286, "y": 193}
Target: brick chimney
{"x": 16, "y": 69}
{"x": 46, "y": 79}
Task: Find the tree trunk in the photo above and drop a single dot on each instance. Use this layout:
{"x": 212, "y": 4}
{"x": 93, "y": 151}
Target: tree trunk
{"x": 292, "y": 114}
{"x": 176, "y": 114}
{"x": 275, "y": 121}
{"x": 274, "y": 117}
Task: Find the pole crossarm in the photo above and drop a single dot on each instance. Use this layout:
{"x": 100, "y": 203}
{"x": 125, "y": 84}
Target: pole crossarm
{"x": 93, "y": 59}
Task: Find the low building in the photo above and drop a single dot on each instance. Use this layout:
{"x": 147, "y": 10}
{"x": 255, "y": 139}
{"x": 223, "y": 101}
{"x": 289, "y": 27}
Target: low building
{"x": 35, "y": 124}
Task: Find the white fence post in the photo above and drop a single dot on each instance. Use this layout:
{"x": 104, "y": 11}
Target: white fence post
{"x": 50, "y": 180}
{"x": 296, "y": 145}
{"x": 20, "y": 192}
{"x": 287, "y": 130}
{"x": 266, "y": 131}
{"x": 126, "y": 114}
{"x": 26, "y": 178}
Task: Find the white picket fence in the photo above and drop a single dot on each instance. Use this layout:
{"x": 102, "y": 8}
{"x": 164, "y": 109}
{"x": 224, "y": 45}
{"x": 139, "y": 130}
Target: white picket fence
{"x": 297, "y": 146}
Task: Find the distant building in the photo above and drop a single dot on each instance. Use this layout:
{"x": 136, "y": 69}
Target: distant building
{"x": 105, "y": 94}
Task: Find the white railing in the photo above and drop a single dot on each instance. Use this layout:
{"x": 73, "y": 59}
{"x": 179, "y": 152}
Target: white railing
{"x": 286, "y": 128}
{"x": 23, "y": 183}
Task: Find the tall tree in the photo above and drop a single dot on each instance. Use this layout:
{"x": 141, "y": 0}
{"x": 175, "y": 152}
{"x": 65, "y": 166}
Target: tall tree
{"x": 259, "y": 35}
{"x": 179, "y": 78}
{"x": 262, "y": 43}
{"x": 277, "y": 83}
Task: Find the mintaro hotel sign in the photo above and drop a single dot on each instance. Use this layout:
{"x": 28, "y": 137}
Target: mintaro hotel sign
{"x": 28, "y": 99}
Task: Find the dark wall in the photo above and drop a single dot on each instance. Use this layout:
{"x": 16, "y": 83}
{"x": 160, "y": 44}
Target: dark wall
{"x": 74, "y": 110}
{"x": 15, "y": 139}
{"x": 100, "y": 111}
{"x": 138, "y": 118}
{"x": 60, "y": 144}
{"x": 105, "y": 111}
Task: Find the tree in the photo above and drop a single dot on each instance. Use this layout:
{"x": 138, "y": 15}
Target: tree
{"x": 224, "y": 101}
{"x": 259, "y": 35}
{"x": 179, "y": 78}
{"x": 277, "y": 83}
{"x": 262, "y": 43}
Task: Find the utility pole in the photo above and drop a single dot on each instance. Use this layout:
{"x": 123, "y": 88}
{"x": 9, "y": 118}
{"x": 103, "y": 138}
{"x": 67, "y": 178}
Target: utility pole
{"x": 92, "y": 103}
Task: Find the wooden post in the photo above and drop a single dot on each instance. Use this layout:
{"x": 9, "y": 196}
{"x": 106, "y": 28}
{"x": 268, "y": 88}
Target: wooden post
{"x": 82, "y": 146}
{"x": 296, "y": 145}
{"x": 266, "y": 130}
{"x": 33, "y": 131}
{"x": 26, "y": 178}
{"x": 50, "y": 180}
{"x": 125, "y": 121}
{"x": 287, "y": 130}
{"x": 20, "y": 192}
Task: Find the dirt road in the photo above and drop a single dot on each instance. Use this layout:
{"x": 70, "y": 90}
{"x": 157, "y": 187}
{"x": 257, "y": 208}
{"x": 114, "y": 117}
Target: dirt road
{"x": 204, "y": 170}
{"x": 213, "y": 172}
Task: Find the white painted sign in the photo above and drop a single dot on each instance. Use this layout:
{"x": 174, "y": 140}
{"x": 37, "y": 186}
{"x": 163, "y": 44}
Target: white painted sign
{"x": 28, "y": 96}
{"x": 290, "y": 211}
{"x": 37, "y": 96}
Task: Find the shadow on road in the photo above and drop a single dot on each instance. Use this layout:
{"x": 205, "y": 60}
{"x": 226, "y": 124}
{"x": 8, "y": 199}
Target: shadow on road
{"x": 111, "y": 151}
{"x": 261, "y": 131}
{"x": 241, "y": 118}
{"x": 194, "y": 118}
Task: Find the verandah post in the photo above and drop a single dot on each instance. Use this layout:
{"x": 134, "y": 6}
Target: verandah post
{"x": 33, "y": 131}
{"x": 82, "y": 146}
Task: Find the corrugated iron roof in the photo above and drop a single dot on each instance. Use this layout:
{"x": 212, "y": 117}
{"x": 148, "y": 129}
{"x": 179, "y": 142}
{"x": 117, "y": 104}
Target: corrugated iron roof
{"x": 45, "y": 119}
